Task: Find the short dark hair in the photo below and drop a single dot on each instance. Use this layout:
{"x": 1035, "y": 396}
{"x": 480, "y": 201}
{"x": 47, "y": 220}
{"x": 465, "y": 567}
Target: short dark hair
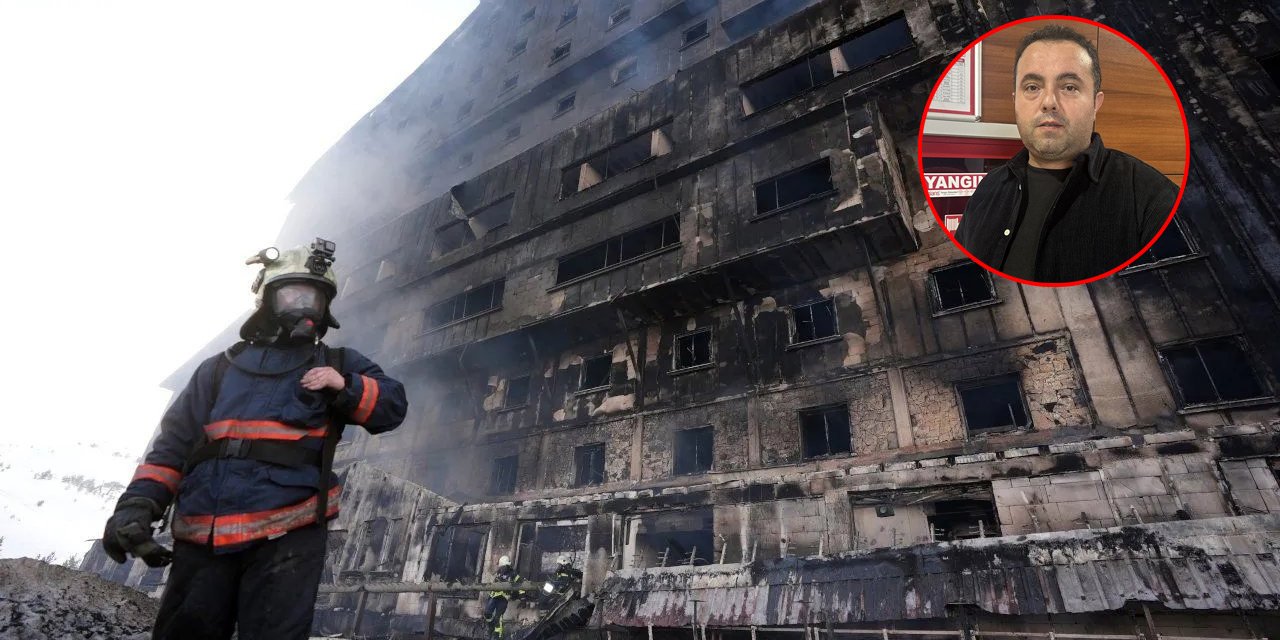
{"x": 1057, "y": 32}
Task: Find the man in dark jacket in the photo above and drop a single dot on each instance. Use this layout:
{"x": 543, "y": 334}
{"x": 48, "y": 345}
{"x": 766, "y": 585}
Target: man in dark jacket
{"x": 246, "y": 450}
{"x": 1066, "y": 208}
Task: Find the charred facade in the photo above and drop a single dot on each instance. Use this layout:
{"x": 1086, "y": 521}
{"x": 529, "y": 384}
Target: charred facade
{"x": 679, "y": 310}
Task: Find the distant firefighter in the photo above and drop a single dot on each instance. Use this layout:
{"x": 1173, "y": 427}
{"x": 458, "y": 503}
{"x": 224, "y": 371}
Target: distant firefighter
{"x": 247, "y": 451}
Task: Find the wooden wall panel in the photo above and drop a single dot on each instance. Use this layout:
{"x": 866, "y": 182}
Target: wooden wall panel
{"x": 1139, "y": 114}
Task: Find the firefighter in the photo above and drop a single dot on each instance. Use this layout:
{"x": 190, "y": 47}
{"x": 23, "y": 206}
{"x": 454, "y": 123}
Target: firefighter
{"x": 497, "y": 604}
{"x": 244, "y": 457}
{"x": 565, "y": 575}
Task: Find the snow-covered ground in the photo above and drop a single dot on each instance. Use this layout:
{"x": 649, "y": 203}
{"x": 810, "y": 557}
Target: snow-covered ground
{"x": 56, "y": 490}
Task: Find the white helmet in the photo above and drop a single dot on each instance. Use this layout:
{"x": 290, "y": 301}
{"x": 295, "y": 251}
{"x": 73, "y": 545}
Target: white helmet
{"x": 504, "y": 561}
{"x": 562, "y": 560}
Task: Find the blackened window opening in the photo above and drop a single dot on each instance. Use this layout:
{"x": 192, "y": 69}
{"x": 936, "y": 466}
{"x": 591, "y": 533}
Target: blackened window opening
{"x": 675, "y": 538}
{"x": 570, "y": 14}
{"x": 814, "y": 321}
{"x": 492, "y": 216}
{"x": 963, "y": 519}
{"x": 993, "y": 405}
{"x": 620, "y": 16}
{"x": 794, "y": 187}
{"x": 595, "y": 372}
{"x": 566, "y": 103}
{"x": 825, "y": 431}
{"x": 456, "y": 551}
{"x": 451, "y": 237}
{"x": 852, "y": 54}
{"x": 1212, "y": 371}
{"x": 1171, "y": 244}
{"x": 517, "y": 392}
{"x": 960, "y": 286}
{"x": 481, "y": 299}
{"x": 694, "y": 449}
{"x": 588, "y": 464}
{"x": 693, "y": 349}
{"x": 626, "y": 71}
{"x": 632, "y": 245}
{"x": 509, "y": 83}
{"x": 561, "y": 52}
{"x": 694, "y": 33}
{"x": 503, "y": 479}
{"x": 528, "y": 15}
{"x": 519, "y": 47}
{"x": 615, "y": 160}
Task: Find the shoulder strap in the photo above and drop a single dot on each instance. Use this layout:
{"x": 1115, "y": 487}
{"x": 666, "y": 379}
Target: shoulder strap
{"x": 336, "y": 358}
{"x": 224, "y": 362}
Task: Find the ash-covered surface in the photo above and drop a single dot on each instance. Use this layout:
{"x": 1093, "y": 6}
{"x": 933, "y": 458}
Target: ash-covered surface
{"x": 40, "y": 601}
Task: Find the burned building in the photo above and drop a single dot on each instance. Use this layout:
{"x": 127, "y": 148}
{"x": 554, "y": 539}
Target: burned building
{"x": 667, "y": 297}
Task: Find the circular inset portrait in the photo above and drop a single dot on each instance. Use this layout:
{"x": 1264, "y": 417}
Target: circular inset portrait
{"x": 1054, "y": 151}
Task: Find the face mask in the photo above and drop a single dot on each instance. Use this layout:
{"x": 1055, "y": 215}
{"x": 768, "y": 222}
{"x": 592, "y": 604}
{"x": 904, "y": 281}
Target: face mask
{"x": 299, "y": 309}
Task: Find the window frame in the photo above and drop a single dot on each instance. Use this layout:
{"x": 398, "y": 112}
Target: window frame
{"x": 675, "y": 442}
{"x": 807, "y": 57}
{"x": 626, "y": 9}
{"x": 528, "y": 16}
{"x": 462, "y": 296}
{"x": 794, "y": 326}
{"x": 675, "y": 350}
{"x": 973, "y": 383}
{"x": 608, "y": 376}
{"x": 569, "y": 15}
{"x": 760, "y": 215}
{"x": 632, "y": 63}
{"x": 685, "y": 42}
{"x": 675, "y": 219}
{"x": 601, "y": 158}
{"x": 494, "y": 489}
{"x": 509, "y": 84}
{"x": 518, "y": 48}
{"x": 566, "y": 46}
{"x": 506, "y": 394}
{"x": 935, "y": 293}
{"x": 578, "y": 480}
{"x": 558, "y": 111}
{"x": 823, "y": 410}
{"x": 1193, "y": 252}
{"x": 1265, "y": 389}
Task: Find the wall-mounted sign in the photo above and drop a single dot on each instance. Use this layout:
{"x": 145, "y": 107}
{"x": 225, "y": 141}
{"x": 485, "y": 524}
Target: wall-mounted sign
{"x": 959, "y": 95}
{"x": 952, "y": 185}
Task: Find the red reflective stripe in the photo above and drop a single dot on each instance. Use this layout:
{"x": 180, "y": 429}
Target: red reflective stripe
{"x": 244, "y": 527}
{"x": 192, "y": 528}
{"x": 258, "y": 430}
{"x": 368, "y": 399}
{"x": 167, "y": 476}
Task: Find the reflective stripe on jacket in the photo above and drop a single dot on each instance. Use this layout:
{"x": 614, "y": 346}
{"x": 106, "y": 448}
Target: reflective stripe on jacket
{"x": 230, "y": 502}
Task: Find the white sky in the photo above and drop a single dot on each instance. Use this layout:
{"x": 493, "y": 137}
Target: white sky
{"x": 146, "y": 149}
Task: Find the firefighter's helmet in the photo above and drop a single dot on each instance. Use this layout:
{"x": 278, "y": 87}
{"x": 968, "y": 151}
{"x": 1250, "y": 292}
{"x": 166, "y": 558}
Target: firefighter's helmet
{"x": 504, "y": 561}
{"x": 301, "y": 264}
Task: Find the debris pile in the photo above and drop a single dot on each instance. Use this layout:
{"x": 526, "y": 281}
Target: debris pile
{"x": 39, "y": 601}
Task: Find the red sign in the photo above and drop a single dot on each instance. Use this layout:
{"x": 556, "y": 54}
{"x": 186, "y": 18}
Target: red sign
{"x": 952, "y": 185}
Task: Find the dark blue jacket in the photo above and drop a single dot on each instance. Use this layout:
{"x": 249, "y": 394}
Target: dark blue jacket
{"x": 233, "y": 501}
{"x": 1111, "y": 206}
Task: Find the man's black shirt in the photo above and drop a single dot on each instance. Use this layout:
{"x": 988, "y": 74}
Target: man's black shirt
{"x": 1110, "y": 206}
{"x": 1043, "y": 187}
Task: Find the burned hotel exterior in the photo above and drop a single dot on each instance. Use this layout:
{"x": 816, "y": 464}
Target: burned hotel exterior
{"x": 666, "y": 295}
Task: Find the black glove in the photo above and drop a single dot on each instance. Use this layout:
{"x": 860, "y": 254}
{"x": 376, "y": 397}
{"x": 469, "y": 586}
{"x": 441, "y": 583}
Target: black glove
{"x": 128, "y": 530}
